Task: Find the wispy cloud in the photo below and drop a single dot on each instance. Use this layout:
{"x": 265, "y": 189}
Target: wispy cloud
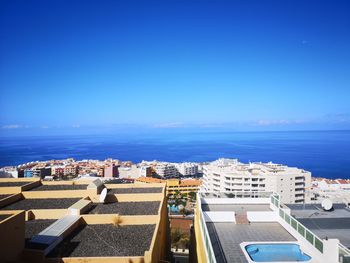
{"x": 272, "y": 122}
{"x": 170, "y": 125}
{"x": 12, "y": 126}
{"x": 338, "y": 118}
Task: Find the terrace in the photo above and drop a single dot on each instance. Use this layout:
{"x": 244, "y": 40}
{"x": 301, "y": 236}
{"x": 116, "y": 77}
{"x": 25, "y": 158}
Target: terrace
{"x": 224, "y": 226}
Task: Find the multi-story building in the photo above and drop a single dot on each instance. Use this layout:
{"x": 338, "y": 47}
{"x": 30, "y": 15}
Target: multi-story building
{"x": 57, "y": 171}
{"x": 166, "y": 170}
{"x": 111, "y": 170}
{"x": 173, "y": 185}
{"x": 183, "y": 186}
{"x": 70, "y": 170}
{"x": 8, "y": 172}
{"x": 187, "y": 169}
{"x": 229, "y": 175}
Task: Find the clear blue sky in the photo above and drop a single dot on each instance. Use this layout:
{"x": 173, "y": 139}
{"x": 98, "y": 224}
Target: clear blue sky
{"x": 174, "y": 64}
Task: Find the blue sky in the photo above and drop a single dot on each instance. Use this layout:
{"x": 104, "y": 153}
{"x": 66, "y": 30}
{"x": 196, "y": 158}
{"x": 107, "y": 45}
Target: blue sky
{"x": 241, "y": 65}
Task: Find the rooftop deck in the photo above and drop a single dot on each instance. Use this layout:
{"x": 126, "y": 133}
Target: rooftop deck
{"x": 226, "y": 238}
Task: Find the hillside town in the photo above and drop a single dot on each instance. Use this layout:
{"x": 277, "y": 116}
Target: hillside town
{"x": 191, "y": 200}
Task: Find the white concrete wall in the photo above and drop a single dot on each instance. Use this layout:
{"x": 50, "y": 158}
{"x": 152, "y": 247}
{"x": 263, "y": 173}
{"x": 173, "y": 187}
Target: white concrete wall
{"x": 219, "y": 201}
{"x": 219, "y": 217}
{"x": 262, "y": 216}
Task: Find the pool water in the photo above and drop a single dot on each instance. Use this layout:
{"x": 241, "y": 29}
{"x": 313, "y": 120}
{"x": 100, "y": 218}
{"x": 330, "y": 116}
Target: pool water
{"x": 276, "y": 253}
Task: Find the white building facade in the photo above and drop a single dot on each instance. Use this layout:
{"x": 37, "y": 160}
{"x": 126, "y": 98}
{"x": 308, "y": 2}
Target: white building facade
{"x": 229, "y": 175}
{"x": 187, "y": 169}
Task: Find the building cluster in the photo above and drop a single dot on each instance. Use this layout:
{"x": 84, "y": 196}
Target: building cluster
{"x": 337, "y": 190}
{"x": 184, "y": 186}
{"x": 171, "y": 170}
{"x": 230, "y": 175}
{"x": 64, "y": 168}
{"x": 107, "y": 168}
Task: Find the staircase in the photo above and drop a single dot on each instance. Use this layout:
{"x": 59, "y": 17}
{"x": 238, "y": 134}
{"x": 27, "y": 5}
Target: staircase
{"x": 242, "y": 219}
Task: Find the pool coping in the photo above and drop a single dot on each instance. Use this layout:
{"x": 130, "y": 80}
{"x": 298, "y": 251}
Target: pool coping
{"x": 244, "y": 244}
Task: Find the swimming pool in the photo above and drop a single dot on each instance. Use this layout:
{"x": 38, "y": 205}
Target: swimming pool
{"x": 276, "y": 252}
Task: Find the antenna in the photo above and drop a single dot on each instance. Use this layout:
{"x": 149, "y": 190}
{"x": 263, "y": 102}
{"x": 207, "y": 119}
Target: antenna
{"x": 103, "y": 195}
{"x": 327, "y": 204}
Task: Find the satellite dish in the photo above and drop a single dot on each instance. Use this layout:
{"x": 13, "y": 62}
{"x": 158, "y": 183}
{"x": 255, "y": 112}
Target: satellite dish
{"x": 327, "y": 204}
{"x": 103, "y": 195}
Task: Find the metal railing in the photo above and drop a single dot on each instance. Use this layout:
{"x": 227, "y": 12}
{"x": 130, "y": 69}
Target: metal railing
{"x": 344, "y": 254}
{"x": 299, "y": 227}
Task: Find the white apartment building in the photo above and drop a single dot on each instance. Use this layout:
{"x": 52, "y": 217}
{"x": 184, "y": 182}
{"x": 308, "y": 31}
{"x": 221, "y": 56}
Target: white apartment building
{"x": 166, "y": 169}
{"x": 229, "y": 175}
{"x": 8, "y": 172}
{"x": 187, "y": 169}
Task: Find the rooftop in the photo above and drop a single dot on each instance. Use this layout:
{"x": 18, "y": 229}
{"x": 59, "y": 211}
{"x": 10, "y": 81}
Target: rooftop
{"x": 55, "y": 187}
{"x": 126, "y": 208}
{"x": 226, "y": 238}
{"x": 103, "y": 240}
{"x": 14, "y": 183}
{"x": 41, "y": 203}
{"x": 135, "y": 190}
{"x": 325, "y": 224}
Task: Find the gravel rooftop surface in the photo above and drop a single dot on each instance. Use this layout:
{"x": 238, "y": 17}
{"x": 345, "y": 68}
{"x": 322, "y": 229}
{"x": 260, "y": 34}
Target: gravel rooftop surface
{"x": 135, "y": 190}
{"x": 106, "y": 241}
{"x": 126, "y": 208}
{"x": 11, "y": 184}
{"x": 34, "y": 227}
{"x": 60, "y": 187}
{"x": 3, "y": 217}
{"x": 48, "y": 203}
{"x": 3, "y": 196}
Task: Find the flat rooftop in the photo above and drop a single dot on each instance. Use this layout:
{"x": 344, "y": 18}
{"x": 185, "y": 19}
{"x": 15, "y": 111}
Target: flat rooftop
{"x": 126, "y": 208}
{"x": 12, "y": 184}
{"x": 316, "y": 211}
{"x": 226, "y": 238}
{"x": 3, "y": 196}
{"x": 135, "y": 190}
{"x": 325, "y": 224}
{"x": 106, "y": 241}
{"x": 42, "y": 203}
{"x": 3, "y": 217}
{"x": 54, "y": 187}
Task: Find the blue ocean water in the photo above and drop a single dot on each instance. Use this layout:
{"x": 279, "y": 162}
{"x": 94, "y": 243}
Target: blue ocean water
{"x": 324, "y": 153}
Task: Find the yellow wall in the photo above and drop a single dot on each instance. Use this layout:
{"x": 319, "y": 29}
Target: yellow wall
{"x": 200, "y": 246}
{"x": 12, "y": 235}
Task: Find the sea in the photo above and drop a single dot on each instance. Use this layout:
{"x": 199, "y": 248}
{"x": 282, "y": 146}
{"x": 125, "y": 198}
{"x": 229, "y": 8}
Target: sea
{"x": 324, "y": 153}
